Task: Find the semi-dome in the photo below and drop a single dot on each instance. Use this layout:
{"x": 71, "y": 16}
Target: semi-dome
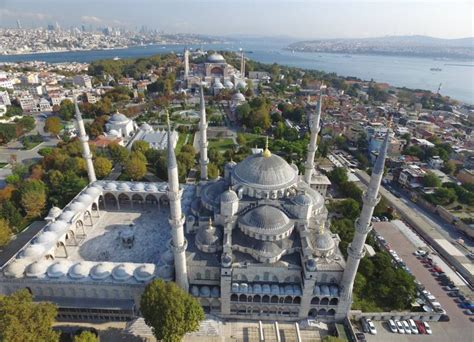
{"x": 303, "y": 199}
{"x": 208, "y": 238}
{"x": 264, "y": 218}
{"x": 323, "y": 244}
{"x": 267, "y": 249}
{"x": 101, "y": 271}
{"x": 229, "y": 196}
{"x": 118, "y": 118}
{"x": 265, "y": 171}
{"x": 166, "y": 272}
{"x": 216, "y": 58}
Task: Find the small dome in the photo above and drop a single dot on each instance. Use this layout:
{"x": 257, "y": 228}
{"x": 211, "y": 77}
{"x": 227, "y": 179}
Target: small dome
{"x": 122, "y": 272}
{"x": 93, "y": 191}
{"x": 101, "y": 271}
{"x": 195, "y": 291}
{"x": 47, "y": 237}
{"x": 238, "y": 97}
{"x": 79, "y": 270}
{"x": 66, "y": 216}
{"x": 34, "y": 251}
{"x": 85, "y": 199}
{"x": 311, "y": 265}
{"x": 118, "y": 118}
{"x": 228, "y": 84}
{"x": 303, "y": 199}
{"x": 218, "y": 85}
{"x": 266, "y": 217}
{"x": 16, "y": 269}
{"x": 76, "y": 206}
{"x": 240, "y": 84}
{"x": 324, "y": 242}
{"x": 151, "y": 188}
{"x": 111, "y": 186}
{"x": 208, "y": 236}
{"x": 166, "y": 272}
{"x": 123, "y": 187}
{"x": 54, "y": 212}
{"x": 58, "y": 226}
{"x": 204, "y": 291}
{"x": 115, "y": 133}
{"x": 144, "y": 272}
{"x": 216, "y": 58}
{"x": 59, "y": 269}
{"x": 37, "y": 269}
{"x": 226, "y": 260}
{"x": 138, "y": 187}
{"x": 229, "y": 196}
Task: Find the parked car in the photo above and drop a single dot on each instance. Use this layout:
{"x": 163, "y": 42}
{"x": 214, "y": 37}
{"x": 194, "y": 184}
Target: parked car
{"x": 365, "y": 326}
{"x": 420, "y": 253}
{"x": 421, "y": 327}
{"x": 414, "y": 329}
{"x": 392, "y": 326}
{"x": 467, "y": 305}
{"x": 371, "y": 325}
{"x": 406, "y": 326}
{"x": 427, "y": 328}
{"x": 360, "y": 337}
{"x": 451, "y": 288}
{"x": 400, "y": 328}
{"x": 453, "y": 294}
{"x": 444, "y": 318}
{"x": 437, "y": 269}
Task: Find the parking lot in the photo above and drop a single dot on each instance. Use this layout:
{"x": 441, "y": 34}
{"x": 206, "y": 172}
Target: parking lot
{"x": 459, "y": 328}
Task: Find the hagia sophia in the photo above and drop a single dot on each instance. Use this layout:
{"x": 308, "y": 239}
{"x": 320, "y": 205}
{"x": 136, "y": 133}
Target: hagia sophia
{"x": 253, "y": 244}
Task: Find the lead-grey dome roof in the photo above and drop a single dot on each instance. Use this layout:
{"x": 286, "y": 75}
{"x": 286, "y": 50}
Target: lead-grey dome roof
{"x": 118, "y": 117}
{"x": 267, "y": 172}
{"x": 216, "y": 58}
{"x": 208, "y": 236}
{"x": 229, "y": 196}
{"x": 323, "y": 242}
{"x": 266, "y": 217}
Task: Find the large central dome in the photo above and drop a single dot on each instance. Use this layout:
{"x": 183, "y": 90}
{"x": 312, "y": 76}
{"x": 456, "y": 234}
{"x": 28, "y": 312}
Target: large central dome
{"x": 265, "y": 171}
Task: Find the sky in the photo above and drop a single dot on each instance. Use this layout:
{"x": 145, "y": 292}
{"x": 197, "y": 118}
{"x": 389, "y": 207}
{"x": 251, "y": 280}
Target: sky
{"x": 302, "y": 19}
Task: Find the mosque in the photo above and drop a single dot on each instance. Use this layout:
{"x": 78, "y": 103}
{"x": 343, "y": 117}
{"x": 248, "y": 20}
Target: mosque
{"x": 215, "y": 73}
{"x": 253, "y": 244}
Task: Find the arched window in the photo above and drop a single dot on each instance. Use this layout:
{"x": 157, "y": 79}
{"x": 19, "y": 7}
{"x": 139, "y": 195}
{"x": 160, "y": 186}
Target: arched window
{"x": 288, "y": 300}
{"x": 266, "y": 299}
{"x": 315, "y": 301}
{"x": 333, "y": 301}
{"x": 274, "y": 299}
{"x": 257, "y": 299}
{"x": 234, "y": 298}
{"x": 324, "y": 301}
{"x": 297, "y": 300}
{"x": 242, "y": 298}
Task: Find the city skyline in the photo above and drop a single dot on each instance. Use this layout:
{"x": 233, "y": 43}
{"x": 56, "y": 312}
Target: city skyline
{"x": 291, "y": 19}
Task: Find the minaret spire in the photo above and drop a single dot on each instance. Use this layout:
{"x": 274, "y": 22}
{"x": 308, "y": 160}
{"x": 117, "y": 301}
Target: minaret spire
{"x": 83, "y": 137}
{"x": 242, "y": 64}
{"x": 176, "y": 219}
{"x": 186, "y": 63}
{"x": 203, "y": 161}
{"x": 363, "y": 226}
{"x": 313, "y": 142}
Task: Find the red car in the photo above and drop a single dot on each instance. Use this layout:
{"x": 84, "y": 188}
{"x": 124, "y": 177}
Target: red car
{"x": 437, "y": 269}
{"x": 421, "y": 327}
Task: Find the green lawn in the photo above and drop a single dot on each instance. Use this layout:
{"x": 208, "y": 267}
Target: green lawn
{"x": 254, "y": 140}
{"x": 182, "y": 139}
{"x": 221, "y": 144}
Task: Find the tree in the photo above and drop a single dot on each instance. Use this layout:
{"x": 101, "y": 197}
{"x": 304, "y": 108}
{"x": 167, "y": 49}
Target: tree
{"x": 67, "y": 110}
{"x": 33, "y": 197}
{"x": 338, "y": 175}
{"x": 442, "y": 196}
{"x": 349, "y": 208}
{"x": 212, "y": 171}
{"x": 140, "y": 146}
{"x": 170, "y": 311}
{"x": 449, "y": 167}
{"x": 12, "y": 214}
{"x": 86, "y": 336}
{"x": 5, "y": 232}
{"x": 135, "y": 168}
{"x": 241, "y": 140}
{"x": 53, "y": 125}
{"x": 431, "y": 180}
{"x": 102, "y": 166}
{"x": 22, "y": 320}
{"x": 118, "y": 153}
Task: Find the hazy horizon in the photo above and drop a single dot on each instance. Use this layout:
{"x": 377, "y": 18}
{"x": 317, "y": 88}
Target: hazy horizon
{"x": 292, "y": 19}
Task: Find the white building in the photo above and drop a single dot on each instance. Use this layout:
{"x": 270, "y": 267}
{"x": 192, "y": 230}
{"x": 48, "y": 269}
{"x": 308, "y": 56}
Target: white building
{"x": 45, "y": 106}
{"x": 28, "y": 104}
{"x": 157, "y": 139}
{"x": 6, "y": 83}
{"x": 435, "y": 163}
{"x": 5, "y": 98}
{"x": 82, "y": 81}
{"x": 120, "y": 125}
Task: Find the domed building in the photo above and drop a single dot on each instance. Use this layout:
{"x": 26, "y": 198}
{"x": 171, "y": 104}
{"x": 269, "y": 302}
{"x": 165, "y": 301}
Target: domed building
{"x": 121, "y": 124}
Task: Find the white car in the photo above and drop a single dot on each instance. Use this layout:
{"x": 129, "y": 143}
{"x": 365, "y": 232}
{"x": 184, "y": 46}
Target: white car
{"x": 414, "y": 329}
{"x": 371, "y": 327}
{"x": 406, "y": 326}
{"x": 392, "y": 326}
{"x": 427, "y": 328}
{"x": 400, "y": 328}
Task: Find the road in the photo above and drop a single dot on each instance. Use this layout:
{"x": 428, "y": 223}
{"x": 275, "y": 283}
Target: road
{"x": 428, "y": 229}
{"x": 24, "y": 156}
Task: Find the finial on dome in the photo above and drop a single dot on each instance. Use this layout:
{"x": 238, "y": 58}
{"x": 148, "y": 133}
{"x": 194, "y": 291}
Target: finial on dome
{"x": 210, "y": 223}
{"x": 266, "y": 152}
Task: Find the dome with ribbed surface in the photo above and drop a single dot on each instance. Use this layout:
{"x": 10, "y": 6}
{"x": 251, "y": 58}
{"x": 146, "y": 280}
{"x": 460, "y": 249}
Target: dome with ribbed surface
{"x": 216, "y": 58}
{"x": 265, "y": 171}
{"x": 229, "y": 196}
{"x": 266, "y": 218}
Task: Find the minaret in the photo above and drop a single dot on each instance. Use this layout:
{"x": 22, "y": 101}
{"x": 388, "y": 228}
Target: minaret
{"x": 363, "y": 226}
{"x": 186, "y": 63}
{"x": 242, "y": 64}
{"x": 86, "y": 152}
{"x": 203, "y": 161}
{"x": 313, "y": 142}
{"x": 176, "y": 218}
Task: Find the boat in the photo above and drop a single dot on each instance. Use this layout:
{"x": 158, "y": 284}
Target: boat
{"x": 116, "y": 58}
{"x": 436, "y": 69}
